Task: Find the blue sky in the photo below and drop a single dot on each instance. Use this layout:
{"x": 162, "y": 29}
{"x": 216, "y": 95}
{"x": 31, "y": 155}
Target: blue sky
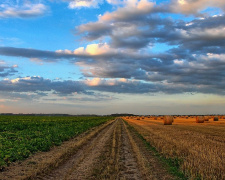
{"x": 112, "y": 56}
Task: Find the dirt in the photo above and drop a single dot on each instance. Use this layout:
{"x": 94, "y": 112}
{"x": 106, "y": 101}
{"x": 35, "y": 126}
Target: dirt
{"x": 111, "y": 151}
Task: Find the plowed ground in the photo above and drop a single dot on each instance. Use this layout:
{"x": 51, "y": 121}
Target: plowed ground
{"x": 111, "y": 151}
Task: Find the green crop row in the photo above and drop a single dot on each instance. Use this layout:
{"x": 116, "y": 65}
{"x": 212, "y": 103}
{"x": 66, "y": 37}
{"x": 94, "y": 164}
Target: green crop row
{"x": 21, "y": 136}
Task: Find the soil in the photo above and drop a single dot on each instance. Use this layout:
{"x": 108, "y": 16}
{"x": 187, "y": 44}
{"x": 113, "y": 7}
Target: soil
{"x": 111, "y": 151}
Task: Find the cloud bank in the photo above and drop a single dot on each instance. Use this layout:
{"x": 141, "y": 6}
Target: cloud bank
{"x": 139, "y": 48}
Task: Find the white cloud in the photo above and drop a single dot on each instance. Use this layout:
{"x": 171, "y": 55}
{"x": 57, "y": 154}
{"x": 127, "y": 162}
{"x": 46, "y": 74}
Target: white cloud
{"x": 27, "y": 79}
{"x": 37, "y": 60}
{"x": 210, "y": 32}
{"x": 206, "y": 33}
{"x": 84, "y": 3}
{"x": 195, "y": 6}
{"x": 131, "y": 9}
{"x": 93, "y": 82}
{"x": 106, "y": 82}
{"x": 216, "y": 57}
{"x": 91, "y": 49}
{"x": 25, "y": 11}
{"x": 115, "y": 2}
{"x": 6, "y": 70}
{"x": 179, "y": 62}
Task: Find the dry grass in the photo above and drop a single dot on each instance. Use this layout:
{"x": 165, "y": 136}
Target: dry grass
{"x": 200, "y": 145}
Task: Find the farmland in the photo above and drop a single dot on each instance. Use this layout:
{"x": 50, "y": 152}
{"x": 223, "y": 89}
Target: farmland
{"x": 198, "y": 148}
{"x": 21, "y": 136}
{"x": 108, "y": 151}
{"x": 121, "y": 148}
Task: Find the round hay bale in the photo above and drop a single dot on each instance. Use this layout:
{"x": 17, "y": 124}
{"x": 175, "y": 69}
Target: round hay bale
{"x": 216, "y": 118}
{"x": 155, "y": 118}
{"x": 206, "y": 118}
{"x": 200, "y": 119}
{"x": 167, "y": 120}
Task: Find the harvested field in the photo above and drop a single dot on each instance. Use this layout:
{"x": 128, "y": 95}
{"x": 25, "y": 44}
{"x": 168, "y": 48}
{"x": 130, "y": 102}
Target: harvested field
{"x": 199, "y": 147}
{"x": 110, "y": 151}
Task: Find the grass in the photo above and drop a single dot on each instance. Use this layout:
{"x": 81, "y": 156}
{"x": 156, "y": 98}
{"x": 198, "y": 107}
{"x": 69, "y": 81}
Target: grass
{"x": 21, "y": 136}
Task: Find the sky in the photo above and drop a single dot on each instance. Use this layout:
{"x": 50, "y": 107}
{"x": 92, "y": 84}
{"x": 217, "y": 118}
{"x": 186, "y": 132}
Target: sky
{"x": 112, "y": 56}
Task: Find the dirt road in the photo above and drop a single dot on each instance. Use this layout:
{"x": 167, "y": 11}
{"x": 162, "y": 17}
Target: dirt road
{"x": 111, "y": 152}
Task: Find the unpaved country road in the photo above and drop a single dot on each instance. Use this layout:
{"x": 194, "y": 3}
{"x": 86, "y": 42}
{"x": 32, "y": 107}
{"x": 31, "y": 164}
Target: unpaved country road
{"x": 114, "y": 152}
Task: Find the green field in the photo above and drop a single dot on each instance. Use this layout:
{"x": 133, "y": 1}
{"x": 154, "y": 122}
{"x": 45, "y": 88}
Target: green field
{"x": 21, "y": 136}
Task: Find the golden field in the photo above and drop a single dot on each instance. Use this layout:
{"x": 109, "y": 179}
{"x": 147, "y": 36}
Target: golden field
{"x": 199, "y": 146}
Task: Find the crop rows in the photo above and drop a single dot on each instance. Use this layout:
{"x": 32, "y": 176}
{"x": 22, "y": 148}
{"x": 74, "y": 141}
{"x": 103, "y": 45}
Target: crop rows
{"x": 21, "y": 136}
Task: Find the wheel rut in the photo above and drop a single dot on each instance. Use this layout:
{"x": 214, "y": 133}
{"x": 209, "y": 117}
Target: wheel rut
{"x": 81, "y": 163}
{"x": 112, "y": 151}
{"x": 109, "y": 155}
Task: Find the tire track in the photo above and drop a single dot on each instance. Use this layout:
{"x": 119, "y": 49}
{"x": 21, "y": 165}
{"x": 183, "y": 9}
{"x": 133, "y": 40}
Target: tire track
{"x": 118, "y": 160}
{"x": 131, "y": 169}
{"x": 106, "y": 166}
{"x": 80, "y": 164}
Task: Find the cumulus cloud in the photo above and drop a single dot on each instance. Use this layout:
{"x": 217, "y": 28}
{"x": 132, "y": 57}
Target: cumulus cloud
{"x": 84, "y": 3}
{"x": 39, "y": 84}
{"x": 75, "y": 4}
{"x": 204, "y": 76}
{"x": 91, "y": 49}
{"x": 205, "y": 70}
{"x": 36, "y": 85}
{"x": 6, "y": 70}
{"x": 95, "y": 30}
{"x": 25, "y": 11}
{"x": 193, "y": 60}
{"x": 131, "y": 10}
{"x": 173, "y": 72}
{"x": 140, "y": 87}
{"x": 115, "y": 2}
{"x": 195, "y": 6}
{"x": 152, "y": 29}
